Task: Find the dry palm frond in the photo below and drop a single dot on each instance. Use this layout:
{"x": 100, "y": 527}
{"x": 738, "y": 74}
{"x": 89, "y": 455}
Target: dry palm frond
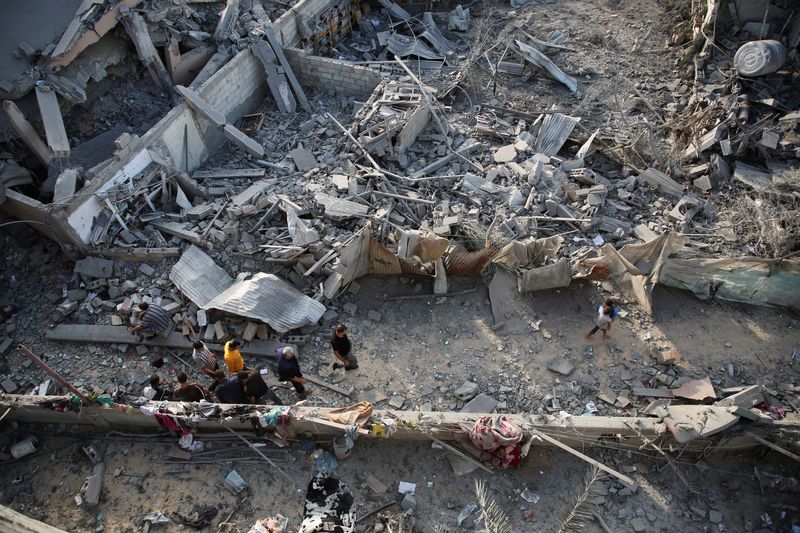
{"x": 494, "y": 519}
{"x": 586, "y": 505}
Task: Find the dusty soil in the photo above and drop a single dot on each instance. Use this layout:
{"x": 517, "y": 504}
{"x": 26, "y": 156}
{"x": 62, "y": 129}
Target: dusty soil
{"x": 137, "y": 482}
{"x": 422, "y": 350}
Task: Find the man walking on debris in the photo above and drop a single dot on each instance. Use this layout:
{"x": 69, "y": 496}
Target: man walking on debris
{"x": 230, "y": 389}
{"x": 156, "y": 390}
{"x": 206, "y": 361}
{"x": 188, "y": 392}
{"x": 342, "y": 349}
{"x": 233, "y": 358}
{"x": 603, "y": 322}
{"x": 155, "y": 321}
{"x": 289, "y": 370}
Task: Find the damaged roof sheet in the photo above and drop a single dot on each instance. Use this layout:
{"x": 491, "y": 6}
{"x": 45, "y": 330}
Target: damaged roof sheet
{"x": 403, "y": 46}
{"x": 198, "y": 277}
{"x": 268, "y": 298}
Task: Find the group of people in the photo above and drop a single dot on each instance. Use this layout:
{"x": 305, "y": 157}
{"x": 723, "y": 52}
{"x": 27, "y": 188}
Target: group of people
{"x": 240, "y": 384}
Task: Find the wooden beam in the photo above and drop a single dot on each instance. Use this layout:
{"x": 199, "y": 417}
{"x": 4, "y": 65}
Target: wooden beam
{"x": 555, "y": 442}
{"x": 13, "y": 522}
{"x": 772, "y": 446}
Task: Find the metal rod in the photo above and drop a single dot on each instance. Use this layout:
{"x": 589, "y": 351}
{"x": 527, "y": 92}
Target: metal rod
{"x": 44, "y": 366}
{"x": 267, "y": 459}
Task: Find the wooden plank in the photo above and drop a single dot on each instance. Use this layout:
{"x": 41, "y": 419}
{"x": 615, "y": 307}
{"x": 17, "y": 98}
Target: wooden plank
{"x": 653, "y": 393}
{"x": 772, "y": 446}
{"x": 13, "y": 522}
{"x": 177, "y": 229}
{"x": 317, "y": 381}
{"x": 622, "y": 477}
{"x": 231, "y": 173}
{"x": 119, "y": 335}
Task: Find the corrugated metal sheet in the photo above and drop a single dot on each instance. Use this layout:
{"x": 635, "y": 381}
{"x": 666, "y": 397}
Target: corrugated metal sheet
{"x": 383, "y": 261}
{"x": 198, "y": 277}
{"x": 267, "y": 298}
{"x": 403, "y": 46}
{"x": 554, "y": 133}
{"x": 462, "y": 262}
{"x": 434, "y": 35}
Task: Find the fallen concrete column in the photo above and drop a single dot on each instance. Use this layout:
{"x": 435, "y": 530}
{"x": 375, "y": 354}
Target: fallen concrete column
{"x": 227, "y": 20}
{"x": 137, "y": 30}
{"x": 276, "y": 80}
{"x": 66, "y": 185}
{"x": 216, "y": 62}
{"x": 53, "y": 122}
{"x": 23, "y": 128}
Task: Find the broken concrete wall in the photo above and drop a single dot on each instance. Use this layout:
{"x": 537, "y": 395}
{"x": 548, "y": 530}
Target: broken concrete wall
{"x": 286, "y": 25}
{"x": 325, "y": 74}
{"x": 23, "y": 208}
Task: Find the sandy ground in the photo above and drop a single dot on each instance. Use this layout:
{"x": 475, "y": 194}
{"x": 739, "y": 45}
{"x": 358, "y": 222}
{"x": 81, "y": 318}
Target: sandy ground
{"x": 137, "y": 483}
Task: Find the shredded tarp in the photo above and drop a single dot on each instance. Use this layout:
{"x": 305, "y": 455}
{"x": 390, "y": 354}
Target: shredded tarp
{"x": 198, "y": 277}
{"x": 267, "y": 298}
{"x": 547, "y": 277}
{"x": 753, "y": 281}
{"x": 531, "y": 252}
{"x": 358, "y": 413}
{"x": 425, "y": 245}
{"x": 636, "y": 268}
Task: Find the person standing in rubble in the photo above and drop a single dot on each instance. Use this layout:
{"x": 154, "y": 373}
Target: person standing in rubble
{"x": 155, "y": 321}
{"x": 289, "y": 370}
{"x": 156, "y": 390}
{"x": 188, "y": 392}
{"x": 233, "y": 357}
{"x": 603, "y": 322}
{"x": 206, "y": 360}
{"x": 342, "y": 349}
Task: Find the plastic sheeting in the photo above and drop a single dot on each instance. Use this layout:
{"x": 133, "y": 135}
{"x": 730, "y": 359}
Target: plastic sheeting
{"x": 752, "y": 281}
{"x": 635, "y": 268}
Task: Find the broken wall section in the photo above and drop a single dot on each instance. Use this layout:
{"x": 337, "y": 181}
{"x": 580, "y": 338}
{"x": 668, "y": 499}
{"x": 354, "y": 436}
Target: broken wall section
{"x": 327, "y": 74}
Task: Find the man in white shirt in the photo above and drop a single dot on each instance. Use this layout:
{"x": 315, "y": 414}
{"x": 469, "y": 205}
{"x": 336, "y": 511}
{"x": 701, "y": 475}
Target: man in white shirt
{"x": 156, "y": 390}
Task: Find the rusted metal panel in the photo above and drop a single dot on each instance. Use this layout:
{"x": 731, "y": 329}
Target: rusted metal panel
{"x": 383, "y": 261}
{"x": 462, "y": 262}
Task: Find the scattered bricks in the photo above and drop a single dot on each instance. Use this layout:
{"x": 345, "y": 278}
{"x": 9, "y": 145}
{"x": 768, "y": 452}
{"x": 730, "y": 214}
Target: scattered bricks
{"x": 249, "y": 332}
{"x": 96, "y": 284}
{"x": 76, "y": 295}
{"x": 202, "y": 318}
{"x": 146, "y": 269}
{"x": 171, "y": 307}
{"x": 67, "y": 308}
{"x": 108, "y": 305}
{"x": 374, "y": 315}
{"x": 125, "y": 307}
{"x": 350, "y": 308}
{"x": 8, "y": 386}
{"x": 5, "y": 344}
{"x": 116, "y": 320}
{"x": 667, "y": 357}
{"x": 94, "y": 267}
{"x": 128, "y": 287}
{"x": 219, "y": 330}
{"x": 114, "y": 292}
{"x": 200, "y": 212}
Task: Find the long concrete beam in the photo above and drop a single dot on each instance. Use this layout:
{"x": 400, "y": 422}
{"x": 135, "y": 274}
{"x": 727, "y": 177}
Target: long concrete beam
{"x": 580, "y": 431}
{"x": 13, "y": 522}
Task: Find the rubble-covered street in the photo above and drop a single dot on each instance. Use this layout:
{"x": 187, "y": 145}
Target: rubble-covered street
{"x": 469, "y": 188}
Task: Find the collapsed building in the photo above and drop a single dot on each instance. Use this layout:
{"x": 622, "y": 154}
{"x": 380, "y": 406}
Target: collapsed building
{"x": 292, "y": 149}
